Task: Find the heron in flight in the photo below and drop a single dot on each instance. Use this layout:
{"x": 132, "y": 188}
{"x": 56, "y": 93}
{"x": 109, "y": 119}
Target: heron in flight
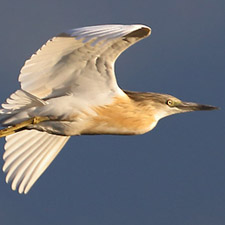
{"x": 68, "y": 87}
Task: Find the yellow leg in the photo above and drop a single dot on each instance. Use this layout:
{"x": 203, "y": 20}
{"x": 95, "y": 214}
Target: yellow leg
{"x": 13, "y": 129}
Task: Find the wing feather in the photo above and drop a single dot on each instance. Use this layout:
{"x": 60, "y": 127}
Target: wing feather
{"x": 79, "y": 60}
{"x": 27, "y": 155}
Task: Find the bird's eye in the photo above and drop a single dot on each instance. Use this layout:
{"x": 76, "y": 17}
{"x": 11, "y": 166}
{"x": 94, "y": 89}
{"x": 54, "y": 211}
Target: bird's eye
{"x": 170, "y": 102}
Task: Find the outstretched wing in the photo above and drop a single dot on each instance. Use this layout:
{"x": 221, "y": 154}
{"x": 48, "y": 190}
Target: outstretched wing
{"x": 79, "y": 61}
{"x": 27, "y": 155}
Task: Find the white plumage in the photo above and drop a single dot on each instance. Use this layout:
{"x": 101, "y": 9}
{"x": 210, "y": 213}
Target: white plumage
{"x": 69, "y": 76}
{"x": 81, "y": 56}
{"x": 27, "y": 154}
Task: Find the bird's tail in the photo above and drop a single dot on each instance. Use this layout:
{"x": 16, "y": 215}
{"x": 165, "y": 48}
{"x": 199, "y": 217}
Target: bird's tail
{"x": 15, "y": 112}
{"x": 28, "y": 153}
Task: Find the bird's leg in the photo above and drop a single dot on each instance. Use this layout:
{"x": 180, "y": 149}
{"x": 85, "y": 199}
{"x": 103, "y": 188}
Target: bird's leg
{"x": 32, "y": 121}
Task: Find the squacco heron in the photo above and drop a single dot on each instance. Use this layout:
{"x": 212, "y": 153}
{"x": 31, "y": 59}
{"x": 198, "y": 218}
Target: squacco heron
{"x": 68, "y": 87}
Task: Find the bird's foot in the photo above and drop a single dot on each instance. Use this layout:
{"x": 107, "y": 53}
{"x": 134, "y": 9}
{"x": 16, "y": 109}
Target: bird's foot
{"x": 12, "y": 129}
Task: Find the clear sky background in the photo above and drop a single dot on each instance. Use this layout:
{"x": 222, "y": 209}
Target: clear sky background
{"x": 171, "y": 176}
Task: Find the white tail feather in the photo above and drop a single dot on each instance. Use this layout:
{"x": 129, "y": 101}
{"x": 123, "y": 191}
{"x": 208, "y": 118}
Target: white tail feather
{"x": 17, "y": 107}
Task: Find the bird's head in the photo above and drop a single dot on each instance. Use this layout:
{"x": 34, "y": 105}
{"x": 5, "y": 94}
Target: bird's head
{"x": 162, "y": 105}
{"x": 166, "y": 105}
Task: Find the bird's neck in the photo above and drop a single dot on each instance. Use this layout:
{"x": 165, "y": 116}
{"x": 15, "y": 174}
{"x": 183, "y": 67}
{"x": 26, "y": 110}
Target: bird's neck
{"x": 124, "y": 116}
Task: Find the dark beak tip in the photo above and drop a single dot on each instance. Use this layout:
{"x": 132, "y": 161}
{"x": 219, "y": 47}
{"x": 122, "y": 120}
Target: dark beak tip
{"x": 208, "y": 107}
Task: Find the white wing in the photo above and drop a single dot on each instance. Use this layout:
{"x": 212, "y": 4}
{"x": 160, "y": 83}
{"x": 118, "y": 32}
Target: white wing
{"x": 80, "y": 61}
{"x": 27, "y": 155}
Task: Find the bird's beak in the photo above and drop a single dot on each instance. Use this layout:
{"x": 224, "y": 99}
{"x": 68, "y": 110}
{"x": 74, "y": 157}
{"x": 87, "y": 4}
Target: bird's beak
{"x": 190, "y": 106}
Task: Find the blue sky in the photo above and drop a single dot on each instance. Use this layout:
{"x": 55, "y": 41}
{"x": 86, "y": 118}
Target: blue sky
{"x": 173, "y": 175}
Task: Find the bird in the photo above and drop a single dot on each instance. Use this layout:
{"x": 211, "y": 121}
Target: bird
{"x": 69, "y": 88}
